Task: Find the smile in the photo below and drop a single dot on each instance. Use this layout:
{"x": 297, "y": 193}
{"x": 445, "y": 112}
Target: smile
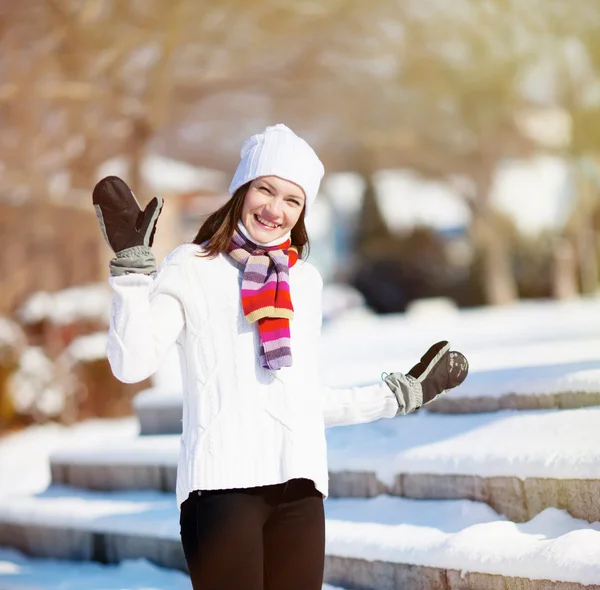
{"x": 266, "y": 223}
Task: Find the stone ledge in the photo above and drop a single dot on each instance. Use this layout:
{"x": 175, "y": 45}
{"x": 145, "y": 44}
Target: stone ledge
{"x": 111, "y": 477}
{"x": 351, "y": 573}
{"x": 518, "y": 499}
{"x": 167, "y": 419}
{"x": 159, "y": 419}
{"x": 360, "y": 574}
{"x": 449, "y": 404}
{"x": 86, "y": 545}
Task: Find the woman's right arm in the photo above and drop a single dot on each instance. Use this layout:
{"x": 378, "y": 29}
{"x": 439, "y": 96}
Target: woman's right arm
{"x": 145, "y": 321}
{"x": 146, "y": 313}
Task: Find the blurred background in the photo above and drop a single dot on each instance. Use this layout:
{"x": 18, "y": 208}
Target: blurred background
{"x": 461, "y": 142}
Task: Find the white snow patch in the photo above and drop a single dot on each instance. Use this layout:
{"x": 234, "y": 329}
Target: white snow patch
{"x": 508, "y": 443}
{"x": 552, "y": 546}
{"x": 165, "y": 175}
{"x": 560, "y": 444}
{"x": 345, "y": 191}
{"x": 25, "y": 573}
{"x": 25, "y": 455}
{"x": 89, "y": 302}
{"x": 136, "y": 450}
{"x": 36, "y": 387}
{"x": 536, "y": 193}
{"x": 535, "y": 346}
{"x": 11, "y": 334}
{"x": 407, "y": 200}
{"x": 88, "y": 348}
{"x": 19, "y": 572}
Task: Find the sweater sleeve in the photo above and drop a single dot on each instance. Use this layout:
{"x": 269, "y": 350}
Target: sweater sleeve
{"x": 146, "y": 319}
{"x": 355, "y": 405}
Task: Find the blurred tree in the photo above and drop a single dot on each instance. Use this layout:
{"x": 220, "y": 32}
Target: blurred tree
{"x": 92, "y": 79}
{"x": 432, "y": 88}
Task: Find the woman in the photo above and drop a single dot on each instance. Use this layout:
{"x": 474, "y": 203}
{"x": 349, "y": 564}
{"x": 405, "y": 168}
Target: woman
{"x": 245, "y": 311}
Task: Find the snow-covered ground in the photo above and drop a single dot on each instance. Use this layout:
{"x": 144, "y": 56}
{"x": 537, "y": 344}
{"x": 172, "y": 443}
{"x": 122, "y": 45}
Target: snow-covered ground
{"x": 550, "y": 346}
{"x": 530, "y": 347}
{"x": 565, "y": 446}
{"x": 455, "y": 534}
{"x": 18, "y": 572}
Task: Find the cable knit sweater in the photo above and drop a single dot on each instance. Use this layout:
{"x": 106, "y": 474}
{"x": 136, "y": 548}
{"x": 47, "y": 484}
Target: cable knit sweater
{"x": 243, "y": 425}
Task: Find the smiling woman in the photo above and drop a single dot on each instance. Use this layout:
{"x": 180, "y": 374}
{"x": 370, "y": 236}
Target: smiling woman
{"x": 244, "y": 308}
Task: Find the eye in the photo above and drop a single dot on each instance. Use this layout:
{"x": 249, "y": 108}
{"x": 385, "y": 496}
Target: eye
{"x": 265, "y": 189}
{"x": 296, "y": 202}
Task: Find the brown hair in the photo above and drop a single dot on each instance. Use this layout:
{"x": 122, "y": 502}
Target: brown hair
{"x": 218, "y": 228}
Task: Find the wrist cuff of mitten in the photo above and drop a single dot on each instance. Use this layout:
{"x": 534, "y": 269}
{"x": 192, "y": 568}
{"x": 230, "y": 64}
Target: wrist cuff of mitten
{"x": 137, "y": 259}
{"x": 407, "y": 390}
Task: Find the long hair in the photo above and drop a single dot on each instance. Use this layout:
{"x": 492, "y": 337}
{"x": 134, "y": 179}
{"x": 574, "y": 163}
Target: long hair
{"x": 218, "y": 228}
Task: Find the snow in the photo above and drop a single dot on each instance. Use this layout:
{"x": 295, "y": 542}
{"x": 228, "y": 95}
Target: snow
{"x": 23, "y": 573}
{"x": 87, "y": 348}
{"x": 133, "y": 450}
{"x": 11, "y": 334}
{"x": 552, "y": 546}
{"x": 528, "y": 347}
{"x": 454, "y": 534}
{"x": 546, "y": 346}
{"x": 18, "y": 572}
{"x": 339, "y": 298}
{"x": 35, "y": 387}
{"x": 165, "y": 175}
{"x": 487, "y": 445}
{"x": 33, "y": 446}
{"x": 537, "y": 193}
{"x": 89, "y": 302}
{"x": 345, "y": 191}
{"x": 407, "y": 200}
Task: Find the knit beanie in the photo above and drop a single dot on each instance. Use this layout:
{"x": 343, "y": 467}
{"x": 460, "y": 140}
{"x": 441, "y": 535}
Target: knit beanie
{"x": 278, "y": 151}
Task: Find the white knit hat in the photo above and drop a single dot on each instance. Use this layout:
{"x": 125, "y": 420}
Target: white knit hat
{"x": 278, "y": 151}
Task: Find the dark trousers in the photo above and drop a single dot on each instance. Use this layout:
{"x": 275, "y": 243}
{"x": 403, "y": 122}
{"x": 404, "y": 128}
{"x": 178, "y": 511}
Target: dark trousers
{"x": 264, "y": 538}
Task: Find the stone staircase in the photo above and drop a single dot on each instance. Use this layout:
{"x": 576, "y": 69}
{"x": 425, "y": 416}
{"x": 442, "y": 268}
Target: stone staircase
{"x": 116, "y": 521}
{"x": 464, "y": 496}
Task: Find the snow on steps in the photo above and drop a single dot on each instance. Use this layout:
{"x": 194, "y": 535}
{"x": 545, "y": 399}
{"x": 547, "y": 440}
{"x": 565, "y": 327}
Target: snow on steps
{"x": 490, "y": 458}
{"x": 379, "y": 543}
{"x": 562, "y": 385}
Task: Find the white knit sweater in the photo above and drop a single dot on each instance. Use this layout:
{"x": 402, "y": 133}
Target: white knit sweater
{"x": 243, "y": 425}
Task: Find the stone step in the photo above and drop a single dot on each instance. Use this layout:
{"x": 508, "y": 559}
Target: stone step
{"x": 379, "y": 544}
{"x": 520, "y": 463}
{"x": 566, "y": 386}
{"x": 162, "y": 417}
{"x": 559, "y": 386}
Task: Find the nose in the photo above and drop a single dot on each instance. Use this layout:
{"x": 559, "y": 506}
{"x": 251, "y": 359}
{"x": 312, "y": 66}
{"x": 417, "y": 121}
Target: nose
{"x": 273, "y": 209}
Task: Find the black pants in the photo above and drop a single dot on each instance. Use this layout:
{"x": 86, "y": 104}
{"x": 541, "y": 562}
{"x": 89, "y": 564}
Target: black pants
{"x": 263, "y": 538}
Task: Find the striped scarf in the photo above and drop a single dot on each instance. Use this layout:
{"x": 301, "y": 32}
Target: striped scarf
{"x": 266, "y": 295}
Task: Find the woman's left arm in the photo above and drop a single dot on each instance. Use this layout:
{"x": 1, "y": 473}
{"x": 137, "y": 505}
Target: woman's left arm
{"x": 354, "y": 405}
{"x": 438, "y": 370}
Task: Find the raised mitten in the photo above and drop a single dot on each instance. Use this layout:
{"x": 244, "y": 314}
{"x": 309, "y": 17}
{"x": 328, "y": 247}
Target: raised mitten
{"x": 128, "y": 230}
{"x": 438, "y": 370}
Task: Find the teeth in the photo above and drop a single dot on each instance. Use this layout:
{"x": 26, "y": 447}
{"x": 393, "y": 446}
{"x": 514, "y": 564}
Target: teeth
{"x": 267, "y": 223}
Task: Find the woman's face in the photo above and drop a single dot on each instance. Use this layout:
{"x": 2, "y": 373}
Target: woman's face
{"x": 272, "y": 207}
